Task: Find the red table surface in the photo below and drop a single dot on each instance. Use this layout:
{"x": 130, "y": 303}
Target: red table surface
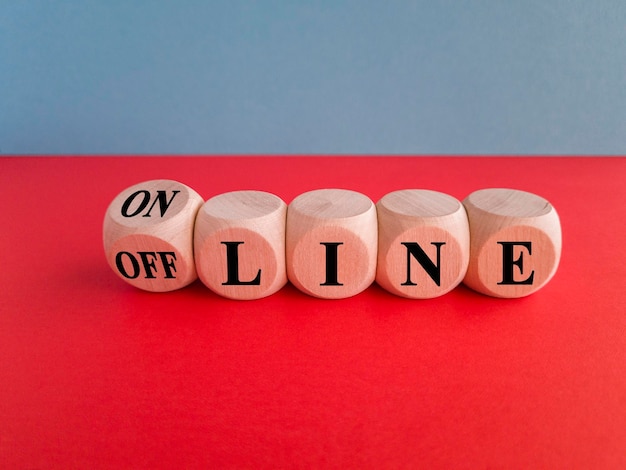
{"x": 97, "y": 374}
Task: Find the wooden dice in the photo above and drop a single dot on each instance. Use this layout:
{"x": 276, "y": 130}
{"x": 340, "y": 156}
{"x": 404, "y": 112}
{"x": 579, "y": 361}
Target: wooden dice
{"x": 148, "y": 235}
{"x": 331, "y": 243}
{"x": 423, "y": 243}
{"x": 515, "y": 242}
{"x": 240, "y": 244}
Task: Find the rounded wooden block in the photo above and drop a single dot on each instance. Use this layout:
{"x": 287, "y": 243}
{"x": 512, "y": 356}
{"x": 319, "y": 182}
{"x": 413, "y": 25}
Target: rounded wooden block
{"x": 240, "y": 244}
{"x": 423, "y": 243}
{"x": 331, "y": 243}
{"x": 515, "y": 242}
{"x": 148, "y": 235}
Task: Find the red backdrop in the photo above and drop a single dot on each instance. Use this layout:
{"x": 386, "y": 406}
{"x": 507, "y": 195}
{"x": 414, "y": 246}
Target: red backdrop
{"x": 97, "y": 374}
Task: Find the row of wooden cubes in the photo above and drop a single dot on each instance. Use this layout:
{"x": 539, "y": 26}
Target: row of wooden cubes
{"x": 161, "y": 235}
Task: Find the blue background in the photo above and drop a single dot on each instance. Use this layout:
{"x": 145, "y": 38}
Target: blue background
{"x": 340, "y": 77}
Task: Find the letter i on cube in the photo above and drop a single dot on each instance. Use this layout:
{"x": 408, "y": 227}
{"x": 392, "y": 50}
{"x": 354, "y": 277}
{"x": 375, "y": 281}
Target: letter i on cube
{"x": 331, "y": 243}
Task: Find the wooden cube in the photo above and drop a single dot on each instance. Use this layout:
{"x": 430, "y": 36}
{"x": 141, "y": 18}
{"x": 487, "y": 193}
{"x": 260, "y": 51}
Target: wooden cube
{"x": 331, "y": 243}
{"x": 240, "y": 244}
{"x": 515, "y": 242}
{"x": 423, "y": 243}
{"x": 148, "y": 235}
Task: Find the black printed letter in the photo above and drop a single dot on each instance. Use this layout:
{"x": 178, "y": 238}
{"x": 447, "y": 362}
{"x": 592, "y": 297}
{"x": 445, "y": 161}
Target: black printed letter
{"x": 508, "y": 262}
{"x": 131, "y": 198}
{"x": 232, "y": 266}
{"x": 122, "y": 269}
{"x": 433, "y": 270}
{"x": 163, "y": 202}
{"x": 331, "y": 264}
